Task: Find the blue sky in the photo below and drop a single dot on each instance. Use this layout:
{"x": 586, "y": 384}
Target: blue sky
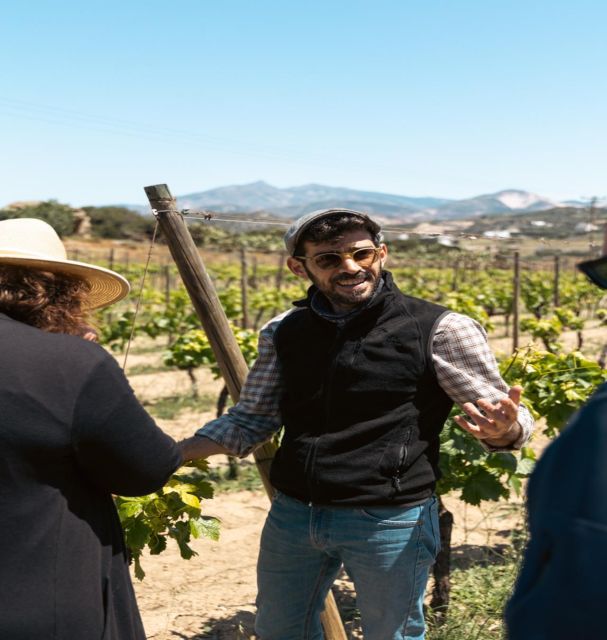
{"x": 443, "y": 98}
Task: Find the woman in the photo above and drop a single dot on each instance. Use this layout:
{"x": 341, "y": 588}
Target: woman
{"x": 71, "y": 434}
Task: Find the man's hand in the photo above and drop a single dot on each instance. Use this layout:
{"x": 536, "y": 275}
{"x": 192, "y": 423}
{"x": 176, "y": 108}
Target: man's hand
{"x": 497, "y": 424}
{"x": 200, "y": 447}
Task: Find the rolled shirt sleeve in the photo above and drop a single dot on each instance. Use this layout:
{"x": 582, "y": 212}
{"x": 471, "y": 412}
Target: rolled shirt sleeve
{"x": 466, "y": 369}
{"x": 256, "y": 416}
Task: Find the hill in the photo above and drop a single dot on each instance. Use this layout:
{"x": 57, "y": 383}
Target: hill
{"x": 261, "y": 197}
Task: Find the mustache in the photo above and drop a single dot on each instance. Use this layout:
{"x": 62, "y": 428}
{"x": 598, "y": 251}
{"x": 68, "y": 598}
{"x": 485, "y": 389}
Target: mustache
{"x": 346, "y": 279}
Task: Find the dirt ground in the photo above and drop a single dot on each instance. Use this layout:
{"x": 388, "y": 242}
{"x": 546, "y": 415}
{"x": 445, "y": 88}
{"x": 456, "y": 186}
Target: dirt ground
{"x": 212, "y": 596}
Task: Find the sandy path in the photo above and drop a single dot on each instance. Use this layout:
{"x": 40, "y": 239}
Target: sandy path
{"x": 213, "y": 594}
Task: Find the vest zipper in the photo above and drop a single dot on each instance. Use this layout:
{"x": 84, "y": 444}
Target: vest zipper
{"x": 403, "y": 455}
{"x": 310, "y": 459}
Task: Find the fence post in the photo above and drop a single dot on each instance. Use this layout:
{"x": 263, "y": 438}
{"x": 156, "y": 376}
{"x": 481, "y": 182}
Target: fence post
{"x": 244, "y": 285}
{"x": 557, "y": 273}
{"x": 167, "y": 284}
{"x": 515, "y": 300}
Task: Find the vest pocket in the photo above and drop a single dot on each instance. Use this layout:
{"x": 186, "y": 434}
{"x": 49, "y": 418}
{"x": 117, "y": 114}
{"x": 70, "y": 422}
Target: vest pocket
{"x": 394, "y": 458}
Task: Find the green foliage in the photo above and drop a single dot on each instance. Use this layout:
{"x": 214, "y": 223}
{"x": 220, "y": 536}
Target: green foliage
{"x": 466, "y": 304}
{"x": 537, "y": 293}
{"x": 116, "y": 330}
{"x": 231, "y": 301}
{"x": 211, "y": 236}
{"x": 555, "y": 385}
{"x": 193, "y": 350}
{"x": 119, "y": 222}
{"x": 59, "y": 216}
{"x": 548, "y": 330}
{"x": 579, "y": 294}
{"x": 569, "y": 319}
{"x": 190, "y": 351}
{"x": 174, "y": 512}
{"x": 478, "y": 475}
{"x": 171, "y": 318}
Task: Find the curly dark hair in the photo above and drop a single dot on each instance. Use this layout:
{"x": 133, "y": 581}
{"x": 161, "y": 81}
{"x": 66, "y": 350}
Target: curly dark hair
{"x": 49, "y": 301}
{"x": 332, "y": 229}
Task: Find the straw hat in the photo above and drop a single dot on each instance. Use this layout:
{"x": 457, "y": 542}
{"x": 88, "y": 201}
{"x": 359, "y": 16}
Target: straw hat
{"x": 30, "y": 242}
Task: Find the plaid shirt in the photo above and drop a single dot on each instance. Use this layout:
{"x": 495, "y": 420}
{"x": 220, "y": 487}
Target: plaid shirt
{"x": 464, "y": 364}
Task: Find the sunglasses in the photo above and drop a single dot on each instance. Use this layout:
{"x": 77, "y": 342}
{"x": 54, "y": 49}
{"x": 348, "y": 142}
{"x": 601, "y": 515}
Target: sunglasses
{"x": 364, "y": 257}
{"x": 596, "y": 270}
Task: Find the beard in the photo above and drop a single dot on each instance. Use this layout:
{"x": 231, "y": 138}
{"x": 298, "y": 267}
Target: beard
{"x": 336, "y": 291}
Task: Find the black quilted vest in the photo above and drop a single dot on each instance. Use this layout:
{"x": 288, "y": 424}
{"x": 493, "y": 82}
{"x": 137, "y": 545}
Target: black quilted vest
{"x": 361, "y": 407}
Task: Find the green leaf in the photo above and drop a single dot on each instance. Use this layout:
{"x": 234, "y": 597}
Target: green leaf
{"x": 502, "y": 461}
{"x": 516, "y": 484}
{"x": 157, "y": 544}
{"x": 129, "y": 509}
{"x": 482, "y": 485}
{"x": 525, "y": 466}
{"x": 205, "y": 526}
{"x": 139, "y": 572}
{"x": 137, "y": 534}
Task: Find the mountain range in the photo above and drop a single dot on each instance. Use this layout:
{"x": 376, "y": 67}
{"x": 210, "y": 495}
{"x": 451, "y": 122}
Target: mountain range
{"x": 263, "y": 198}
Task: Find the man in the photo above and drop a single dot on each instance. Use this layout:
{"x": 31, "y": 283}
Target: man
{"x": 363, "y": 378}
{"x": 561, "y": 592}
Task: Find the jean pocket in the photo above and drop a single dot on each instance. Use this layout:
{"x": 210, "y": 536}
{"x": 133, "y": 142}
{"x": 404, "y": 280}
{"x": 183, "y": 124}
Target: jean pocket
{"x": 402, "y": 517}
{"x": 435, "y": 524}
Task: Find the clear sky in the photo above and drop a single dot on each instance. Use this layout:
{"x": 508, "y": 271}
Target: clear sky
{"x": 446, "y": 98}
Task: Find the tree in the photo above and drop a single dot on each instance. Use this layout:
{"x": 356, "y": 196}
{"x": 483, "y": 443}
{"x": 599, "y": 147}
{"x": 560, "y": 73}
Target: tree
{"x": 59, "y": 216}
{"x": 118, "y": 222}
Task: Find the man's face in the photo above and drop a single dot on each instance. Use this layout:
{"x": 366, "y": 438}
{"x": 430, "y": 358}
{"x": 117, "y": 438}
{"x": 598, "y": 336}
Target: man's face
{"x": 349, "y": 284}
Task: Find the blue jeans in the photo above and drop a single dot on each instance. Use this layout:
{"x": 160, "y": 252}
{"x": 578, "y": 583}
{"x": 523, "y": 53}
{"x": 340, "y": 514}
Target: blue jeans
{"x": 387, "y": 552}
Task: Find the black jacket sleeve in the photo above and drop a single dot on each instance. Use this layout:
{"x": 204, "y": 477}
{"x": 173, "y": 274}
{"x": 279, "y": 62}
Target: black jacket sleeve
{"x": 117, "y": 444}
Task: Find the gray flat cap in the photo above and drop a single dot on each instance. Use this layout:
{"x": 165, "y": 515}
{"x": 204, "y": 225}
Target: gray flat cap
{"x": 301, "y": 224}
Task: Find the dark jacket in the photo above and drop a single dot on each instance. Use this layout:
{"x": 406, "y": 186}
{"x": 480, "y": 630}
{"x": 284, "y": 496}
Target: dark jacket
{"x": 71, "y": 434}
{"x": 361, "y": 407}
{"x": 561, "y": 592}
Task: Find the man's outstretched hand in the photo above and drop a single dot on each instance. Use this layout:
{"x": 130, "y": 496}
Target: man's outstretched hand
{"x": 494, "y": 423}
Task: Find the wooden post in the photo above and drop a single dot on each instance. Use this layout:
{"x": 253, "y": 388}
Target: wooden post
{"x": 455, "y": 273}
{"x": 227, "y": 352}
{"x": 557, "y": 273}
{"x": 253, "y": 279}
{"x": 244, "y": 285}
{"x": 515, "y": 300}
{"x": 167, "y": 284}
{"x": 280, "y": 277}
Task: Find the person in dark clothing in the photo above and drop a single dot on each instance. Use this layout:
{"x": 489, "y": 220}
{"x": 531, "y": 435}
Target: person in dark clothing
{"x": 363, "y": 377}
{"x": 561, "y": 591}
{"x": 71, "y": 434}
